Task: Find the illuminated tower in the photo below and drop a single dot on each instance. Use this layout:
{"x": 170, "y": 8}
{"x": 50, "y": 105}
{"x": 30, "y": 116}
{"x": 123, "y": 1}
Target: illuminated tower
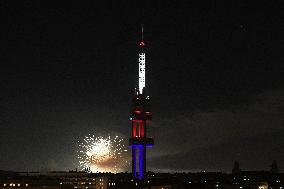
{"x": 140, "y": 117}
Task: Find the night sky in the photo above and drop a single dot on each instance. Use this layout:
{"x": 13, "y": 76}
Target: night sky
{"x": 214, "y": 71}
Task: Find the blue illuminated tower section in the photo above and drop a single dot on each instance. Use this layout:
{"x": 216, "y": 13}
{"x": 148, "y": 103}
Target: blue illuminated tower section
{"x": 140, "y": 117}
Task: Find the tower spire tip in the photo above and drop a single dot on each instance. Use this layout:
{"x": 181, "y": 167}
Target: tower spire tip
{"x": 142, "y": 44}
{"x": 142, "y": 31}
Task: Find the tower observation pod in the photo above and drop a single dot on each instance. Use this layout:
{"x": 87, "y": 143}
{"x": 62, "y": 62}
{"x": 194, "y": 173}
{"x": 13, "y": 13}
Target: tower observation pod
{"x": 140, "y": 117}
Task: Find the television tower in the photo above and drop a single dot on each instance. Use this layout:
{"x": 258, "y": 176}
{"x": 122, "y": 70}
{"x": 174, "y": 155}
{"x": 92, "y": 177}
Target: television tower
{"x": 140, "y": 117}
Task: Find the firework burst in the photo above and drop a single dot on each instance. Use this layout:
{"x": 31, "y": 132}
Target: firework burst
{"x": 103, "y": 154}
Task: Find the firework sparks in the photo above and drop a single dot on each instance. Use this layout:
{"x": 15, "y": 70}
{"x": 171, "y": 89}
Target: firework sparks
{"x": 103, "y": 154}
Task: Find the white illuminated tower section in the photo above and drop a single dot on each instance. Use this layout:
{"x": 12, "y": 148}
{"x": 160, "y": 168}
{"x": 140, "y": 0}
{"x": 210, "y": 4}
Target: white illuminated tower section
{"x": 141, "y": 72}
{"x": 142, "y": 66}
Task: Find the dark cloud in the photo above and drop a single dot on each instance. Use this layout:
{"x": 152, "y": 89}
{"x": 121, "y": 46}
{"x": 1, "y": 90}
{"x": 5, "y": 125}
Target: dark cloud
{"x": 251, "y": 133}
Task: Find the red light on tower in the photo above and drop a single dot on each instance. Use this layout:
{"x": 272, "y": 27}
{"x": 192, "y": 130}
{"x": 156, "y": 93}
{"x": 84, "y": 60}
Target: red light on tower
{"x": 142, "y": 43}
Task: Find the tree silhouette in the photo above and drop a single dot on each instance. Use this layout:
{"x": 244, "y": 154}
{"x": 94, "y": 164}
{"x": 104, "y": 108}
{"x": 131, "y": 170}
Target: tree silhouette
{"x": 236, "y": 168}
{"x": 274, "y": 167}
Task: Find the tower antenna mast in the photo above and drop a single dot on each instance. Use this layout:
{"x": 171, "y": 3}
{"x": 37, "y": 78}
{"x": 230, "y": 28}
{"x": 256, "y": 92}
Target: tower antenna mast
{"x": 142, "y": 33}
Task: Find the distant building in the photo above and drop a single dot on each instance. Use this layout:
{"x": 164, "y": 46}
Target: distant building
{"x": 161, "y": 187}
{"x": 201, "y": 180}
{"x": 30, "y": 183}
{"x": 101, "y": 183}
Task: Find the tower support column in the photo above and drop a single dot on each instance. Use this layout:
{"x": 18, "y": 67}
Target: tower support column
{"x": 134, "y": 161}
